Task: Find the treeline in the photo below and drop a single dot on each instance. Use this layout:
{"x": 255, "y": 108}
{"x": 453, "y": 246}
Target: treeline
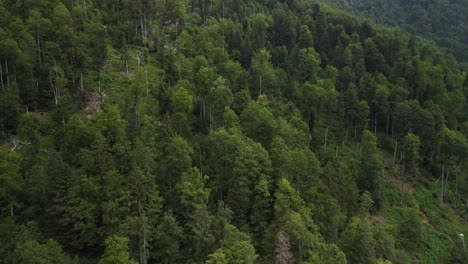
{"x": 220, "y": 132}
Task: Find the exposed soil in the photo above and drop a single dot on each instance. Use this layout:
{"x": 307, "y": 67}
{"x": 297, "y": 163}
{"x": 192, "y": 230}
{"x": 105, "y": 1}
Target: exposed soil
{"x": 377, "y": 218}
{"x": 407, "y": 188}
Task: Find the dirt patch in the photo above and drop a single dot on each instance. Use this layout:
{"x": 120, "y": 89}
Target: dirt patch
{"x": 407, "y": 188}
{"x": 377, "y": 218}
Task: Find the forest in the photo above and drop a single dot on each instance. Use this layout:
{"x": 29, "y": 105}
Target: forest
{"x": 227, "y": 131}
{"x": 443, "y": 21}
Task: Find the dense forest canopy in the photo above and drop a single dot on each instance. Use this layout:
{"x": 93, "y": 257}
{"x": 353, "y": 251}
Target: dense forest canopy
{"x": 443, "y": 21}
{"x": 215, "y": 131}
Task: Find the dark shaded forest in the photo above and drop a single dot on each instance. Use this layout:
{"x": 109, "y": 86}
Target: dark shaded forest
{"x": 443, "y": 21}
{"x": 215, "y": 131}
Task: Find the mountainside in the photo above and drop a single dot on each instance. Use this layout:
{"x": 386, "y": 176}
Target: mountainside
{"x": 443, "y": 21}
{"x": 214, "y": 131}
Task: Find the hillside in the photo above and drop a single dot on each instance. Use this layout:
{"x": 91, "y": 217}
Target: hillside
{"x": 238, "y": 131}
{"x": 444, "y": 22}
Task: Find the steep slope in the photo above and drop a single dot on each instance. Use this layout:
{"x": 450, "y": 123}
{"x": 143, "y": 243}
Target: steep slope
{"x": 226, "y": 132}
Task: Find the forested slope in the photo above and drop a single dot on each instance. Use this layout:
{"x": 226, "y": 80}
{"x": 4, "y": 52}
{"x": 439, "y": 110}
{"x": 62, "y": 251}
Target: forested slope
{"x": 226, "y": 132}
{"x": 443, "y": 21}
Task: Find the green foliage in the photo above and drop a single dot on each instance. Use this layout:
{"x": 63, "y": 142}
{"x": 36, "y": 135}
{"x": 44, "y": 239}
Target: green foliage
{"x": 411, "y": 151}
{"x": 116, "y": 251}
{"x": 9, "y": 178}
{"x": 227, "y": 132}
{"x": 258, "y": 122}
{"x": 168, "y": 240}
{"x": 371, "y": 168}
{"x": 235, "y": 248}
{"x": 34, "y": 252}
{"x": 181, "y": 101}
{"x": 439, "y": 21}
{"x": 357, "y": 242}
{"x": 410, "y": 229}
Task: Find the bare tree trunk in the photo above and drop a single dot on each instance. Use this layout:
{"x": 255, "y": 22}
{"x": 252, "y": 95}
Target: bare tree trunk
{"x": 85, "y": 9}
{"x": 326, "y": 137}
{"x": 393, "y": 127}
{"x": 224, "y": 6}
{"x": 81, "y": 81}
{"x": 3, "y": 126}
{"x": 346, "y": 135}
{"x": 456, "y": 188}
{"x": 1, "y": 75}
{"x": 442, "y": 185}
{"x": 146, "y": 78}
{"x": 446, "y": 182}
{"x": 39, "y": 50}
{"x": 211, "y": 116}
{"x": 355, "y": 130}
{"x": 394, "y": 152}
{"x": 7, "y": 73}
{"x": 466, "y": 206}
{"x": 138, "y": 58}
{"x": 388, "y": 122}
{"x": 403, "y": 184}
{"x": 375, "y": 124}
{"x": 204, "y": 109}
{"x": 260, "y": 85}
{"x": 55, "y": 87}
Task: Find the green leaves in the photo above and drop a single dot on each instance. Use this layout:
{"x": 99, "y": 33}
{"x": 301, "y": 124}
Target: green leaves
{"x": 32, "y": 252}
{"x": 370, "y": 175}
{"x": 357, "y": 242}
{"x": 10, "y": 179}
{"x": 140, "y": 129}
{"x": 258, "y": 122}
{"x": 235, "y": 248}
{"x": 181, "y": 101}
{"x": 117, "y": 251}
{"x": 411, "y": 151}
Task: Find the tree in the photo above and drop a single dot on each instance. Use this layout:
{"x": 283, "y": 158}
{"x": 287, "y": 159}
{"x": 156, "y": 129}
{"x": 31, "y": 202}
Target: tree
{"x": 236, "y": 248}
{"x": 411, "y": 157}
{"x": 220, "y": 97}
{"x": 258, "y": 122}
{"x": 217, "y": 257}
{"x": 177, "y": 160}
{"x": 305, "y": 39}
{"x": 32, "y": 252}
{"x": 115, "y": 201}
{"x": 181, "y": 101}
{"x": 357, "y": 241}
{"x": 116, "y": 251}
{"x": 168, "y": 239}
{"x": 262, "y": 73}
{"x": 28, "y": 130}
{"x": 371, "y": 168}
{"x": 75, "y": 210}
{"x": 182, "y": 107}
{"x": 146, "y": 202}
{"x": 192, "y": 201}
{"x": 249, "y": 193}
{"x": 410, "y": 229}
{"x": 175, "y": 10}
{"x": 258, "y": 24}
{"x": 308, "y": 64}
{"x": 10, "y": 179}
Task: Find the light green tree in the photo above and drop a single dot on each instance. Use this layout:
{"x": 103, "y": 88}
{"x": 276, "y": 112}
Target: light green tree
{"x": 117, "y": 251}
